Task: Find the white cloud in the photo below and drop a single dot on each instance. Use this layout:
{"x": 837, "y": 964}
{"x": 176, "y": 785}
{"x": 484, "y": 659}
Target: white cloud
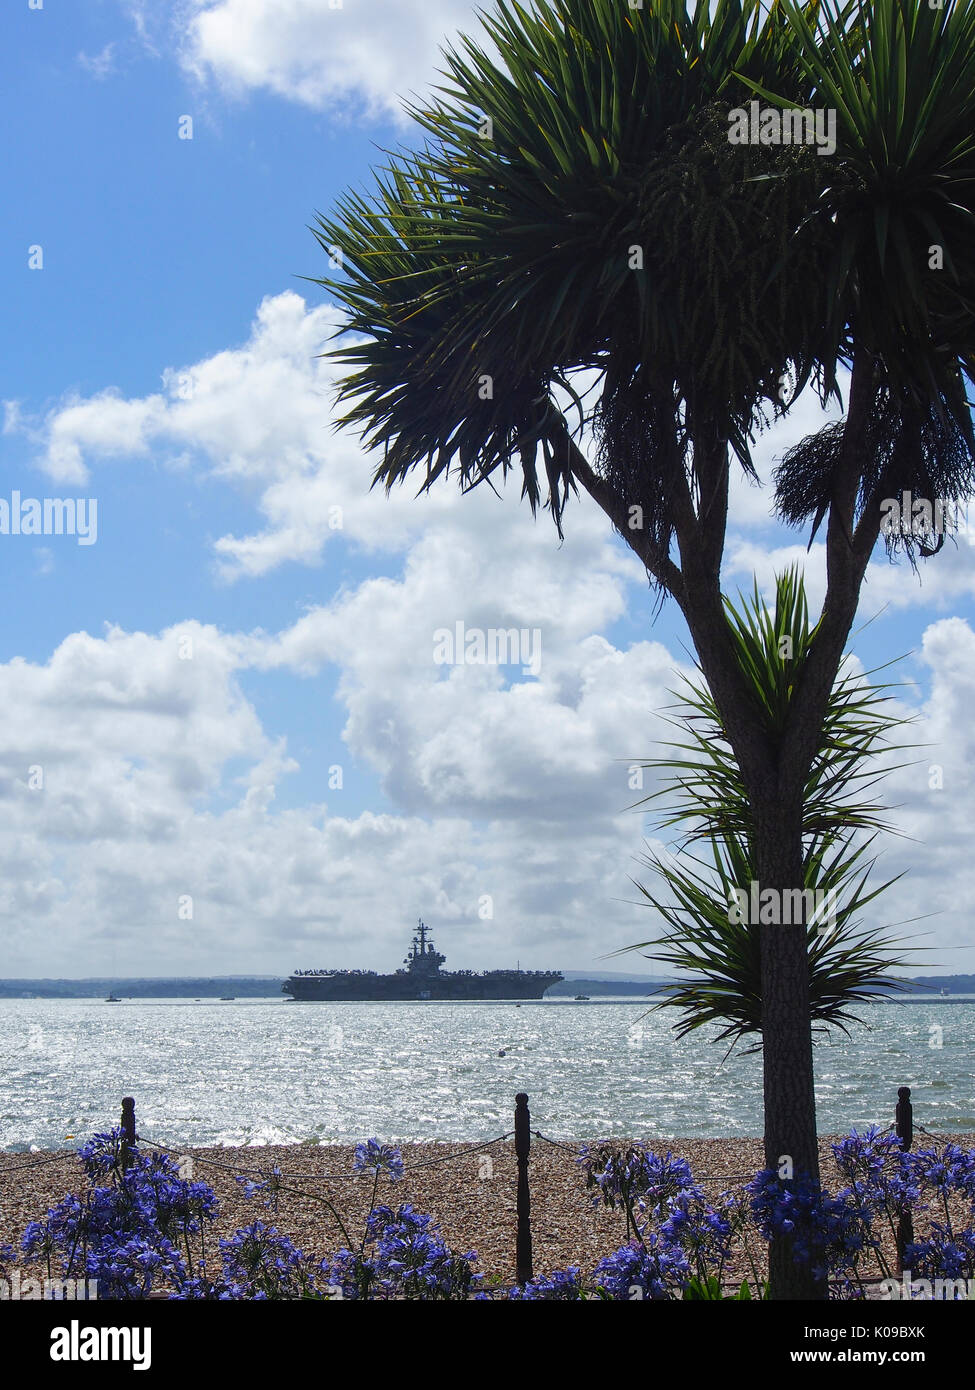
{"x": 934, "y": 801}
{"x": 103, "y": 425}
{"x": 101, "y": 64}
{"x": 136, "y": 772}
{"x": 159, "y": 779}
{"x": 466, "y": 740}
{"x": 323, "y": 52}
{"x": 260, "y": 417}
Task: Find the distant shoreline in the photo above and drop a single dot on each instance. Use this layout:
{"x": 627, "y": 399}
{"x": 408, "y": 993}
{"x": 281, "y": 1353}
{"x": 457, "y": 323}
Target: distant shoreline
{"x": 227, "y": 988}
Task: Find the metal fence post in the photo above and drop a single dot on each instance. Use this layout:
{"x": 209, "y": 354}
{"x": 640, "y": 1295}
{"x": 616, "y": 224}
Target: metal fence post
{"x": 523, "y": 1246}
{"x": 128, "y": 1130}
{"x": 904, "y": 1125}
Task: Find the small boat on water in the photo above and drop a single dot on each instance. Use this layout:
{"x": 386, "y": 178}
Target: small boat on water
{"x": 227, "y": 998}
{"x": 112, "y": 998}
{"x": 582, "y": 999}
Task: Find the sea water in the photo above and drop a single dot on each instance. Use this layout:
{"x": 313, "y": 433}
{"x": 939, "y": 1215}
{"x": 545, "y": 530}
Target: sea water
{"x": 258, "y": 1071}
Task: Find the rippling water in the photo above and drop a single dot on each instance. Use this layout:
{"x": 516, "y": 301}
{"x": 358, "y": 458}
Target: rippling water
{"x": 264, "y": 1071}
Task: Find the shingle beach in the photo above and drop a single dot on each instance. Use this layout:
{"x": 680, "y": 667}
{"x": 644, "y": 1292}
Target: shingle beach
{"x": 470, "y": 1194}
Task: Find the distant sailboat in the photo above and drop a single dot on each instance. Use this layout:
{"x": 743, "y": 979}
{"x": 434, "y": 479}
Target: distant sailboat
{"x": 112, "y": 997}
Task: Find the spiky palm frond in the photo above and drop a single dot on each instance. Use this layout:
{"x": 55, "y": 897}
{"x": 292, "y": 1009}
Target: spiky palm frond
{"x": 393, "y": 250}
{"x": 770, "y": 646}
{"x": 718, "y": 957}
{"x": 900, "y": 76}
{"x": 708, "y": 797}
{"x": 900, "y": 194}
{"x": 484, "y": 269}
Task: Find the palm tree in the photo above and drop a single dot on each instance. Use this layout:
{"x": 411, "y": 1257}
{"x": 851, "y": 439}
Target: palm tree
{"x": 576, "y": 206}
{"x": 708, "y": 936}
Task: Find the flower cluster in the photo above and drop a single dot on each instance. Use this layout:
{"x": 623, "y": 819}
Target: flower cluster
{"x": 402, "y": 1256}
{"x": 676, "y": 1233}
{"x": 260, "y": 1263}
{"x": 825, "y": 1232}
{"x": 129, "y": 1235}
{"x": 564, "y": 1284}
{"x": 104, "y": 1154}
{"x": 951, "y": 1170}
{"x": 703, "y": 1230}
{"x": 636, "y": 1174}
{"x": 948, "y": 1179}
{"x": 374, "y": 1157}
{"x": 834, "y": 1233}
{"x": 654, "y": 1267}
{"x": 135, "y": 1233}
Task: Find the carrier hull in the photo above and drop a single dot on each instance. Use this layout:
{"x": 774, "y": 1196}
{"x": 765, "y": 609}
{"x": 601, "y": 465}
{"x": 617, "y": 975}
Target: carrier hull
{"x": 312, "y": 989}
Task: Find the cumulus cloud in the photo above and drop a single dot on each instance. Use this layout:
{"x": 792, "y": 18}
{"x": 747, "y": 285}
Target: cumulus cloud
{"x": 103, "y": 425}
{"x": 258, "y": 416}
{"x": 253, "y": 412}
{"x": 934, "y": 801}
{"x": 359, "y": 53}
{"x": 477, "y": 739}
{"x": 139, "y": 800}
{"x": 137, "y": 778}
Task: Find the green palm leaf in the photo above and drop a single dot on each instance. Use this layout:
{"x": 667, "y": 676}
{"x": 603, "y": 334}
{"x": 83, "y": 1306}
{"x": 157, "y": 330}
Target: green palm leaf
{"x": 714, "y": 944}
{"x": 509, "y": 258}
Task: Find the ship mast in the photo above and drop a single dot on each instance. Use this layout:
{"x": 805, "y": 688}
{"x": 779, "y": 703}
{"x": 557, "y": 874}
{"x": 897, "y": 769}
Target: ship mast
{"x": 423, "y": 958}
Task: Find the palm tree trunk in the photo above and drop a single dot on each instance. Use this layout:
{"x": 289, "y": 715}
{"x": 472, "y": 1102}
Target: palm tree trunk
{"x": 791, "y": 1146}
{"x": 775, "y": 791}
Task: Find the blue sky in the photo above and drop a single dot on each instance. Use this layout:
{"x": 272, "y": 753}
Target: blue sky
{"x": 163, "y": 360}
